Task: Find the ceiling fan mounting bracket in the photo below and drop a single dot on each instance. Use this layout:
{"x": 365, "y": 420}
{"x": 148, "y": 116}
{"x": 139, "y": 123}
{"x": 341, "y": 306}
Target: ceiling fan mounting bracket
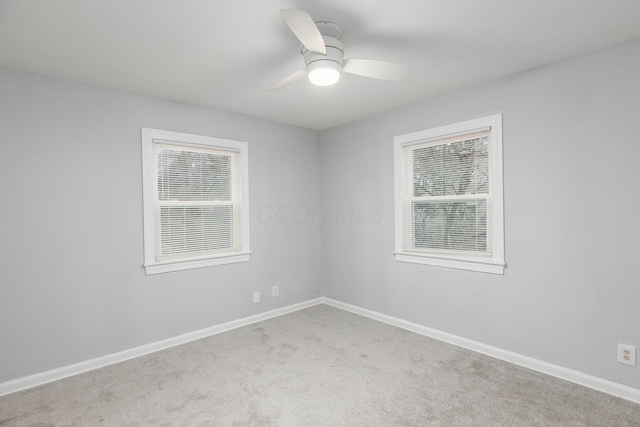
{"x": 331, "y": 29}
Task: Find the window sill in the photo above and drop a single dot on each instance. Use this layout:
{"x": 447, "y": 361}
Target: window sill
{"x": 168, "y": 266}
{"x": 482, "y": 265}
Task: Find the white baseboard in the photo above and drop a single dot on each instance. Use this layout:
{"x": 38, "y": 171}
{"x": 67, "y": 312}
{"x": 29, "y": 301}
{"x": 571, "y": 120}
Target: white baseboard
{"x": 609, "y": 387}
{"x": 100, "y": 362}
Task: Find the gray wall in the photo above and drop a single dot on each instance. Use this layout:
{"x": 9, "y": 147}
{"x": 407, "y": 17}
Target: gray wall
{"x": 71, "y": 283}
{"x": 572, "y": 207}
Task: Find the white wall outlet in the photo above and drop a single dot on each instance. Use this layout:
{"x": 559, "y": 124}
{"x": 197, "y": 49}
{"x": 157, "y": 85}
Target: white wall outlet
{"x": 274, "y": 291}
{"x": 627, "y": 354}
{"x": 256, "y": 297}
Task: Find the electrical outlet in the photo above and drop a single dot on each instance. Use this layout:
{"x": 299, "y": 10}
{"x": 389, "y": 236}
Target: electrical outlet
{"x": 274, "y": 291}
{"x": 626, "y": 354}
{"x": 256, "y": 297}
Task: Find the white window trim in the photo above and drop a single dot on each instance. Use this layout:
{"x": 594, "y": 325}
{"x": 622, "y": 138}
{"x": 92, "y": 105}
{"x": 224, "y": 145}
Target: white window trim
{"x": 152, "y": 266}
{"x": 488, "y": 264}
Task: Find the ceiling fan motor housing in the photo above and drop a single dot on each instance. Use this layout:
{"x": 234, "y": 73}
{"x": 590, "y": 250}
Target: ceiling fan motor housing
{"x": 334, "y": 52}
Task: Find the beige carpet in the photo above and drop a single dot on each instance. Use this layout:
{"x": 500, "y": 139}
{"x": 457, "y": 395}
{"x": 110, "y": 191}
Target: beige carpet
{"x": 317, "y": 367}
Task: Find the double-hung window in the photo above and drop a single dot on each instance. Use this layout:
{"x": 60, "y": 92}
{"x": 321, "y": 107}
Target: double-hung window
{"x": 448, "y": 196}
{"x": 195, "y": 201}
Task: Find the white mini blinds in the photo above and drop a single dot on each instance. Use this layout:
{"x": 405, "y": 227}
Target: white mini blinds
{"x": 449, "y": 202}
{"x": 196, "y": 201}
{"x": 449, "y": 196}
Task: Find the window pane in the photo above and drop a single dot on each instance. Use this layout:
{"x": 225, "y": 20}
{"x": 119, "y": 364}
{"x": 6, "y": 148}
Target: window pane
{"x": 451, "y": 169}
{"x": 460, "y": 226}
{"x": 196, "y": 230}
{"x": 190, "y": 176}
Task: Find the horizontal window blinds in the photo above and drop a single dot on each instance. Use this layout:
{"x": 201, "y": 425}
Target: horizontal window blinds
{"x": 196, "y": 201}
{"x": 447, "y": 194}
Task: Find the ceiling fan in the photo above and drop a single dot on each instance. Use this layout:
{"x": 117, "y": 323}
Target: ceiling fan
{"x": 323, "y": 54}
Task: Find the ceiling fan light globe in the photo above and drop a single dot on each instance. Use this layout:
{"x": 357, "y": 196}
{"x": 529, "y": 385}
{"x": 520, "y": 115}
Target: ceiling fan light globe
{"x": 324, "y": 76}
{"x": 324, "y": 73}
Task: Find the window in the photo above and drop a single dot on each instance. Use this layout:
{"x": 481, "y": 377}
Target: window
{"x": 448, "y": 196}
{"x": 196, "y": 210}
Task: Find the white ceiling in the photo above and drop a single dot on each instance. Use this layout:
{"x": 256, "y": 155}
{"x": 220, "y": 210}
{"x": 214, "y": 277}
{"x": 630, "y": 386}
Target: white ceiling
{"x": 224, "y": 53}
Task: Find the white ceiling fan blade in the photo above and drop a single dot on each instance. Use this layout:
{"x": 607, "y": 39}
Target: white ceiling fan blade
{"x": 287, "y": 80}
{"x": 375, "y": 69}
{"x": 305, "y": 29}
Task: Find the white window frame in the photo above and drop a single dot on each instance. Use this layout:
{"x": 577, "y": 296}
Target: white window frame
{"x": 151, "y": 264}
{"x": 487, "y": 263}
